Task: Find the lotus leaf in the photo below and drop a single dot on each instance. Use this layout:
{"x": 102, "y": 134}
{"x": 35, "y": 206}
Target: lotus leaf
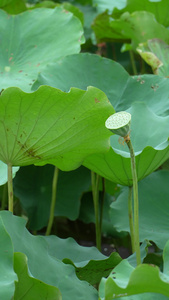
{"x": 125, "y": 280}
{"x": 24, "y": 52}
{"x": 36, "y": 127}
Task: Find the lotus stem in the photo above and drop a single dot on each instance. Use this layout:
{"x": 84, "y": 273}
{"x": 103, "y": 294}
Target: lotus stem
{"x": 53, "y": 201}
{"x": 10, "y": 188}
{"x": 130, "y": 213}
{"x": 95, "y": 178}
{"x": 136, "y": 203}
{"x": 133, "y": 62}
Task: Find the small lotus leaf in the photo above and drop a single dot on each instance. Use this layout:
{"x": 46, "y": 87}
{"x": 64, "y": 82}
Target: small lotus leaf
{"x": 156, "y": 53}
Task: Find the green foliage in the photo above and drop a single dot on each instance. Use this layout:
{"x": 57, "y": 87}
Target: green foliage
{"x": 54, "y": 102}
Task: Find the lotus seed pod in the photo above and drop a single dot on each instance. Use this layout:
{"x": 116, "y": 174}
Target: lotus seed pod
{"x": 119, "y": 123}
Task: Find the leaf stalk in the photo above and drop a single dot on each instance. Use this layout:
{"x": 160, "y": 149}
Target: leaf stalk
{"x": 53, "y": 201}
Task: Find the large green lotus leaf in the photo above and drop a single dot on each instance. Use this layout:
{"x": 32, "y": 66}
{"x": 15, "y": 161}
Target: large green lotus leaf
{"x": 4, "y": 172}
{"x": 42, "y": 265}
{"x": 65, "y": 5}
{"x": 153, "y": 208}
{"x": 50, "y": 126}
{"x": 32, "y": 39}
{"x": 89, "y": 263}
{"x": 100, "y": 72}
{"x": 28, "y": 287}
{"x": 156, "y": 53}
{"x": 158, "y": 8}
{"x": 103, "y": 5}
{"x": 136, "y": 27}
{"x": 5, "y": 2}
{"x": 7, "y": 274}
{"x": 33, "y": 187}
{"x": 15, "y": 7}
{"x": 126, "y": 280}
{"x": 149, "y": 136}
{"x": 121, "y": 89}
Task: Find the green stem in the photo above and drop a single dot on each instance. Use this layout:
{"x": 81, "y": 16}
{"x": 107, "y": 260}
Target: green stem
{"x": 136, "y": 204}
{"x": 95, "y": 190}
{"x": 130, "y": 213}
{"x": 102, "y": 203}
{"x": 10, "y": 188}
{"x": 53, "y": 201}
{"x": 133, "y": 62}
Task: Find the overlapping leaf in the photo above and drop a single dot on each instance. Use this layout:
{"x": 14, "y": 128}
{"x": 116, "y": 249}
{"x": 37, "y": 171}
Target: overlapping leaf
{"x": 122, "y": 90}
{"x": 50, "y": 126}
{"x": 28, "y": 287}
{"x": 89, "y": 263}
{"x": 24, "y": 52}
{"x": 42, "y": 265}
{"x": 158, "y": 8}
{"x": 110, "y": 77}
{"x": 126, "y": 280}
{"x": 149, "y": 136}
{"x": 136, "y": 27}
{"x": 7, "y": 274}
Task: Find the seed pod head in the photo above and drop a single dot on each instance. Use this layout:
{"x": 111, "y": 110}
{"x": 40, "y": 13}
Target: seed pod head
{"x": 119, "y": 123}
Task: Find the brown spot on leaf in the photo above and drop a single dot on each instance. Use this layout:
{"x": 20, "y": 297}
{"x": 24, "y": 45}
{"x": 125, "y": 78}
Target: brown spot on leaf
{"x": 10, "y": 58}
{"x": 30, "y": 152}
{"x": 96, "y": 100}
